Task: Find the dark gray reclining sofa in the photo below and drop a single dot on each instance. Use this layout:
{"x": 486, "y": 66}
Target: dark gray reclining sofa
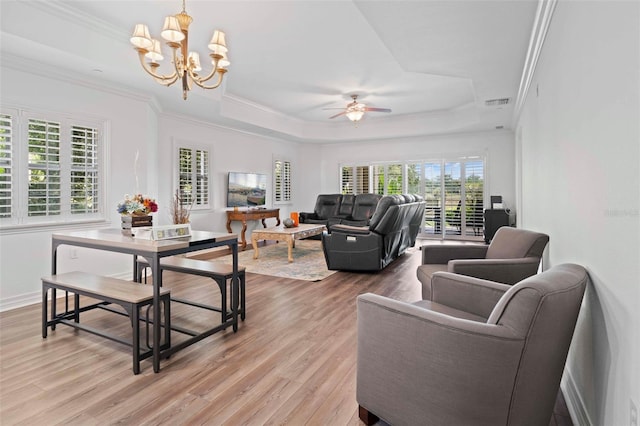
{"x": 392, "y": 229}
{"x": 333, "y": 209}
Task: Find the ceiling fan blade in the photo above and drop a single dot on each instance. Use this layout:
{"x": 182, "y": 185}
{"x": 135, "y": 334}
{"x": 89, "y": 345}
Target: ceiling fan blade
{"x": 339, "y": 114}
{"x": 377, "y": 109}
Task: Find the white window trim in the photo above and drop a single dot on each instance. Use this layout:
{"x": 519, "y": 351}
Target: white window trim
{"x": 20, "y": 221}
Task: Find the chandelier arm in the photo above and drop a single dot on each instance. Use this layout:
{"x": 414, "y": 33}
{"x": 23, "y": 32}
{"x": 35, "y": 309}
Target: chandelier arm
{"x": 215, "y": 69}
{"x": 178, "y": 62}
{"x": 166, "y": 82}
{"x": 162, "y": 79}
{"x": 200, "y": 82}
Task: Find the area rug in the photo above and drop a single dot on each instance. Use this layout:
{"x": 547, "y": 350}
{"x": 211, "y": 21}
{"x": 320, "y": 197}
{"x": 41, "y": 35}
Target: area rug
{"x": 308, "y": 261}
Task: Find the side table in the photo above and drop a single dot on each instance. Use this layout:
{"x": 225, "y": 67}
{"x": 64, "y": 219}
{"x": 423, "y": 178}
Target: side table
{"x": 248, "y": 215}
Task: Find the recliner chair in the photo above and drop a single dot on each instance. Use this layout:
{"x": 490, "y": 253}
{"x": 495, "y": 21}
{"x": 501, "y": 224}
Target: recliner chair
{"x": 347, "y": 204}
{"x": 327, "y": 207}
{"x": 479, "y": 353}
{"x": 393, "y": 228}
{"x": 513, "y": 255}
{"x": 364, "y": 206}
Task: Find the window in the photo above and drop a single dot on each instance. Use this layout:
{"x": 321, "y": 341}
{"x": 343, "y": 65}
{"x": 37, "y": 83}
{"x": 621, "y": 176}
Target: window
{"x": 387, "y": 179}
{"x": 84, "y": 170}
{"x": 193, "y": 176}
{"x": 355, "y": 179}
{"x": 44, "y": 168}
{"x": 61, "y": 161}
{"x": 453, "y": 190}
{"x": 413, "y": 179}
{"x": 347, "y": 180}
{"x": 378, "y": 179}
{"x": 362, "y": 180}
{"x": 6, "y": 165}
{"x": 282, "y": 181}
{"x": 394, "y": 179}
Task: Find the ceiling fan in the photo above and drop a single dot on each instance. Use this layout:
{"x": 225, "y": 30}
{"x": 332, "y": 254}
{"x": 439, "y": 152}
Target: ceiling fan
{"x": 355, "y": 110}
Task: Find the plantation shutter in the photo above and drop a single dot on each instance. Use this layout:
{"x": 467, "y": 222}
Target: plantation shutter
{"x": 413, "y": 178}
{"x": 282, "y": 177}
{"x": 354, "y": 179}
{"x": 202, "y": 177}
{"x": 387, "y": 179}
{"x": 474, "y": 197}
{"x": 432, "y": 176}
{"x": 452, "y": 198}
{"x": 185, "y": 180}
{"x": 362, "y": 179}
{"x": 193, "y": 176}
{"x": 44, "y": 168}
{"x": 346, "y": 180}
{"x": 378, "y": 179}
{"x": 6, "y": 165}
{"x": 394, "y": 178}
{"x": 84, "y": 170}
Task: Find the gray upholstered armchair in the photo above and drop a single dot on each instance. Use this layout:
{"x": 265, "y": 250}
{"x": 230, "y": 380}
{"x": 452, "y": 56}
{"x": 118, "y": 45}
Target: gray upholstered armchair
{"x": 514, "y": 254}
{"x": 479, "y": 353}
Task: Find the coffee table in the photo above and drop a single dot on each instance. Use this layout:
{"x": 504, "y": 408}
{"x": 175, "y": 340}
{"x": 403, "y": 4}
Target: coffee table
{"x": 280, "y": 233}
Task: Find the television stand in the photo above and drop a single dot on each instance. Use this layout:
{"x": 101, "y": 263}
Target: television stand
{"x": 248, "y": 215}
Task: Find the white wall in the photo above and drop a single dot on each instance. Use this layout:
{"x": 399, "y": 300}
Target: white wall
{"x": 581, "y": 185}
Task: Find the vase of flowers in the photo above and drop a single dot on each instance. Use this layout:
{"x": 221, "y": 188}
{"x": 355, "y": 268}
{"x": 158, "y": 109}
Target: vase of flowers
{"x": 136, "y": 211}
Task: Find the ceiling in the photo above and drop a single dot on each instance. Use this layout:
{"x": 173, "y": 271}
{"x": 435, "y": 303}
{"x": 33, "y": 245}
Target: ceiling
{"x": 434, "y": 63}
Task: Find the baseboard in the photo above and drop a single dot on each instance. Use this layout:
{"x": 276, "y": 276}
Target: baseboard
{"x": 20, "y": 301}
{"x": 575, "y": 403}
{"x": 27, "y": 299}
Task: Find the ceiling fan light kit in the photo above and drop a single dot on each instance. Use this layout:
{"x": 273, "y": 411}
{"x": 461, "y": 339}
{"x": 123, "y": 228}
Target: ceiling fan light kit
{"x": 175, "y": 32}
{"x": 355, "y": 110}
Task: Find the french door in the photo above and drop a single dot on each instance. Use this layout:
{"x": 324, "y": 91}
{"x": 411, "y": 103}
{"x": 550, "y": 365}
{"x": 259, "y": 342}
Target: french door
{"x": 454, "y": 194}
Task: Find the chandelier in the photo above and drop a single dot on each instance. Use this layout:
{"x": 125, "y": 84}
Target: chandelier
{"x": 186, "y": 64}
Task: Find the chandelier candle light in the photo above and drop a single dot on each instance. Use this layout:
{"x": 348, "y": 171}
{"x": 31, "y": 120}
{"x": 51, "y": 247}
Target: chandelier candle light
{"x": 187, "y": 64}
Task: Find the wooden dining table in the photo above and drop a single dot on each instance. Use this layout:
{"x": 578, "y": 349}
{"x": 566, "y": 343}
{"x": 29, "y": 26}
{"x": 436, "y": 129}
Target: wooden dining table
{"x": 114, "y": 240}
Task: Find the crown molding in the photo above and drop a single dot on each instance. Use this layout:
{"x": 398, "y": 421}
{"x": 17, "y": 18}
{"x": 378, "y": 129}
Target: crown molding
{"x": 71, "y": 14}
{"x": 31, "y": 66}
{"x": 541, "y": 24}
{"x": 271, "y": 135}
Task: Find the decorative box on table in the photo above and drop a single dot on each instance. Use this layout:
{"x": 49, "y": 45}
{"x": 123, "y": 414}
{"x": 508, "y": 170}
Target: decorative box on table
{"x": 135, "y": 221}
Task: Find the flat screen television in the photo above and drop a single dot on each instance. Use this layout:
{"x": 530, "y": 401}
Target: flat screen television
{"x": 246, "y": 189}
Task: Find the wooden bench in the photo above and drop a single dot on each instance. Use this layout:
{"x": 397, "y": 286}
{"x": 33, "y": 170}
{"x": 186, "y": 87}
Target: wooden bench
{"x": 219, "y": 272}
{"x": 130, "y": 295}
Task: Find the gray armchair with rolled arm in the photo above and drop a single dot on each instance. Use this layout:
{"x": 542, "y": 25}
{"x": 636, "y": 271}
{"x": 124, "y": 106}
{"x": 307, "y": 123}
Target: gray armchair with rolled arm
{"x": 513, "y": 255}
{"x": 479, "y": 353}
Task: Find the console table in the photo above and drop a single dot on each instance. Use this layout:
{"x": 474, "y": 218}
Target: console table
{"x": 250, "y": 214}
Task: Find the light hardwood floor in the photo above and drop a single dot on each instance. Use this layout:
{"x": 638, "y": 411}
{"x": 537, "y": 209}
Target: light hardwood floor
{"x": 293, "y": 361}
